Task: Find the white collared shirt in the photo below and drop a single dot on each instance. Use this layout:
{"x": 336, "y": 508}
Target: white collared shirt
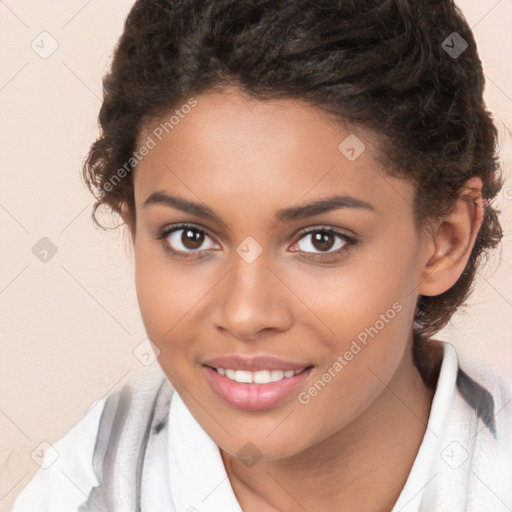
{"x": 459, "y": 466}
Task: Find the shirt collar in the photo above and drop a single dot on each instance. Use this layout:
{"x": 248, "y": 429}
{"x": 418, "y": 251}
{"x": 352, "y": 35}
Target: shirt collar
{"x": 420, "y": 474}
{"x": 198, "y": 478}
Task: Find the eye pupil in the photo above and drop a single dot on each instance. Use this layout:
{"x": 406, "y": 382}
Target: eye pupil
{"x": 322, "y": 240}
{"x": 192, "y": 239}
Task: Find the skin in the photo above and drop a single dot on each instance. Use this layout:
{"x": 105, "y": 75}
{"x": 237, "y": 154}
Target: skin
{"x": 245, "y": 159}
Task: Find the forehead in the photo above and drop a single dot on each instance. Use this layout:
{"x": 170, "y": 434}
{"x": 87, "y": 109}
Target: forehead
{"x": 233, "y": 151}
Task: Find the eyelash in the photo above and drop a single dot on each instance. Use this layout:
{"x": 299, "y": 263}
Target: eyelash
{"x": 350, "y": 242}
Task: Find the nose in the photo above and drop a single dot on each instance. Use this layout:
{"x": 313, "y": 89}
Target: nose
{"x": 252, "y": 300}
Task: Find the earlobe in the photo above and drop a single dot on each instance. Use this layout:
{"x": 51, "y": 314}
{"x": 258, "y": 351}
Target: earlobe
{"x": 452, "y": 241}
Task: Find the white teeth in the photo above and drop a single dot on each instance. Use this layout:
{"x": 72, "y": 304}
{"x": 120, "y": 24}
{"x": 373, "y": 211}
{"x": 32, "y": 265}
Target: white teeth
{"x": 258, "y": 377}
{"x": 261, "y": 377}
{"x": 243, "y": 376}
{"x": 276, "y": 375}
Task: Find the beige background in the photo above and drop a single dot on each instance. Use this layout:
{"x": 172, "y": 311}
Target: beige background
{"x": 70, "y": 326}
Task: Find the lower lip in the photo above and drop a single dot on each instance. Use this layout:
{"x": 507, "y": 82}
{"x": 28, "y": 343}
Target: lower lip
{"x": 254, "y": 397}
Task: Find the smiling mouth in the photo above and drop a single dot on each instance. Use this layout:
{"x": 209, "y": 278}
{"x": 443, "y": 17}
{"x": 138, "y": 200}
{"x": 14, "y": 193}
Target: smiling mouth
{"x": 257, "y": 390}
{"x": 259, "y": 376}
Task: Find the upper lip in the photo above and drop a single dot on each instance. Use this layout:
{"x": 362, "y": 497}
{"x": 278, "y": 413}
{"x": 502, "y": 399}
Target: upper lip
{"x": 239, "y": 362}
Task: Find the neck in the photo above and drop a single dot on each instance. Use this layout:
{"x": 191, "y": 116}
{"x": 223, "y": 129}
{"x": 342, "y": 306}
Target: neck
{"x": 375, "y": 452}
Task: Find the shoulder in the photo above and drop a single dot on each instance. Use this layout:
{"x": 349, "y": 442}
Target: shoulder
{"x": 487, "y": 392}
{"x": 65, "y": 470}
{"x": 472, "y": 429}
{"x": 483, "y": 435}
{"x": 72, "y": 466}
{"x": 479, "y": 388}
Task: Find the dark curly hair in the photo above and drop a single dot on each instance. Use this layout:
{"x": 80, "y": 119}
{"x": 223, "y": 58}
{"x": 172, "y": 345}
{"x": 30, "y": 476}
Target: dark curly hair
{"x": 383, "y": 65}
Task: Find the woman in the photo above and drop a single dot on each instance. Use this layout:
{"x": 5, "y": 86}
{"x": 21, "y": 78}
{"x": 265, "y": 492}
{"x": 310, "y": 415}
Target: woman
{"x": 307, "y": 188}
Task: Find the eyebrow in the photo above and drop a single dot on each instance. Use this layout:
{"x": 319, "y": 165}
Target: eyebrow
{"x": 291, "y": 213}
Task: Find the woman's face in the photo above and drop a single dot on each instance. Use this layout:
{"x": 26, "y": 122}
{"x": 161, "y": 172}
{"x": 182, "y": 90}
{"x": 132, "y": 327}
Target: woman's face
{"x": 248, "y": 294}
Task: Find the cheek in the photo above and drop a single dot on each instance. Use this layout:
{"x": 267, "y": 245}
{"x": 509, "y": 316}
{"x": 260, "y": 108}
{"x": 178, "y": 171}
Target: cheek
{"x": 349, "y": 299}
{"x": 156, "y": 291}
{"x": 167, "y": 292}
{"x": 359, "y": 360}
{"x": 366, "y": 313}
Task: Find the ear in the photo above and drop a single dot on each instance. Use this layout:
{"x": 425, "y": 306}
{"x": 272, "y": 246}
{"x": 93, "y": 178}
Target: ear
{"x": 451, "y": 241}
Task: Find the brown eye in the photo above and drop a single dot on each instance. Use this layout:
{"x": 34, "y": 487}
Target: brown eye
{"x": 324, "y": 241}
{"x": 192, "y": 238}
{"x": 185, "y": 241}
